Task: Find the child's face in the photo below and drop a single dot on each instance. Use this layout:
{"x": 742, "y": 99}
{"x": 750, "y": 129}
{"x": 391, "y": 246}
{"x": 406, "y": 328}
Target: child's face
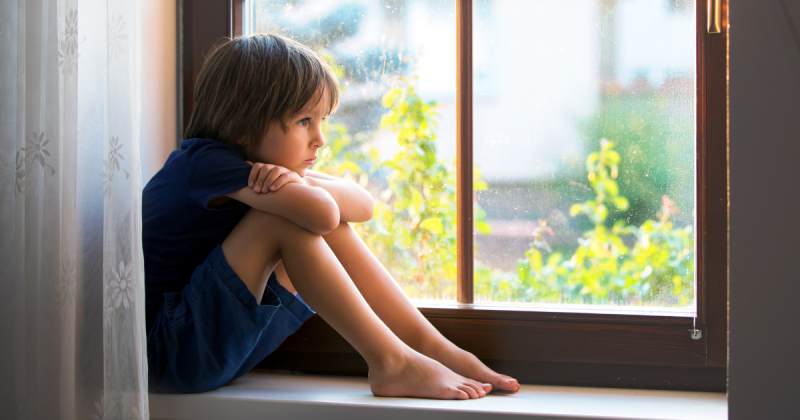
{"x": 295, "y": 148}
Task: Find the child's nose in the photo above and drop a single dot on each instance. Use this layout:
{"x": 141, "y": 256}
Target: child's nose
{"x": 319, "y": 140}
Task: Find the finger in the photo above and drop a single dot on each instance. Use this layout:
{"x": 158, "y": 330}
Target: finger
{"x": 273, "y": 175}
{"x": 286, "y": 178}
{"x": 281, "y": 181}
{"x": 262, "y": 176}
{"x": 256, "y": 185}
{"x": 257, "y": 175}
{"x": 251, "y": 180}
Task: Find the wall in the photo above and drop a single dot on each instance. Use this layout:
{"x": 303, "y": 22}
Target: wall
{"x": 159, "y": 76}
{"x": 764, "y": 346}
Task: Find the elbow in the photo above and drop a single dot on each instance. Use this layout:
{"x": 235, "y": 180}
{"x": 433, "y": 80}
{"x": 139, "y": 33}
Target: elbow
{"x": 368, "y": 209}
{"x": 328, "y": 218}
{"x": 364, "y": 209}
{"x": 360, "y": 211}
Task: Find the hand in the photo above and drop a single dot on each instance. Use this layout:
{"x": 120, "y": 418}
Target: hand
{"x": 265, "y": 177}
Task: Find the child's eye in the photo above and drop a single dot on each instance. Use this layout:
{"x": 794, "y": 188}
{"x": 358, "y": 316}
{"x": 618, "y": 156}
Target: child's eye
{"x": 304, "y": 121}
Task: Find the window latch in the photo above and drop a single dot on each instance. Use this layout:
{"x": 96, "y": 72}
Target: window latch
{"x": 695, "y": 333}
{"x": 714, "y": 13}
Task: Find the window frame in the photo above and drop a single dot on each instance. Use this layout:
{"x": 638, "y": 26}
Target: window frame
{"x": 541, "y": 347}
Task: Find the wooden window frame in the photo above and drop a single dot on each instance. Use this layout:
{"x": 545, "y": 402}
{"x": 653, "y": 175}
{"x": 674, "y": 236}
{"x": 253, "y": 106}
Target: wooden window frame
{"x": 559, "y": 348}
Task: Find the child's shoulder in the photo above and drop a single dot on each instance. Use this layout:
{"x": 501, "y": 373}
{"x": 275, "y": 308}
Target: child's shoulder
{"x": 201, "y": 168}
{"x": 201, "y": 157}
{"x": 199, "y": 148}
{"x": 204, "y": 152}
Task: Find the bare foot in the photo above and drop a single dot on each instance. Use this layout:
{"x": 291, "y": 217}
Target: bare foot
{"x": 465, "y": 363}
{"x": 416, "y": 375}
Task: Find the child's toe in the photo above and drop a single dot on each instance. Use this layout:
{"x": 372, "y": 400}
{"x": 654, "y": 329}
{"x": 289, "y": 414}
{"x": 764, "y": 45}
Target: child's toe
{"x": 506, "y": 383}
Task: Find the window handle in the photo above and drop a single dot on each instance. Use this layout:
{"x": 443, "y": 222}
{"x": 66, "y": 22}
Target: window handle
{"x": 714, "y": 16}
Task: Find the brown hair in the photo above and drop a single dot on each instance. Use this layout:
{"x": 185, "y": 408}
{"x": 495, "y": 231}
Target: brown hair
{"x": 246, "y": 83}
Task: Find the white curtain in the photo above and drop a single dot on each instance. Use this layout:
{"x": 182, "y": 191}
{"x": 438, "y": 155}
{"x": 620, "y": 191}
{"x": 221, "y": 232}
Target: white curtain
{"x": 72, "y": 335}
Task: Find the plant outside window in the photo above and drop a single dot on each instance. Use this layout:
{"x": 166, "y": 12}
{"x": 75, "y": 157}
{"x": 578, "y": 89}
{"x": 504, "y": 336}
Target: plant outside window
{"x": 575, "y": 204}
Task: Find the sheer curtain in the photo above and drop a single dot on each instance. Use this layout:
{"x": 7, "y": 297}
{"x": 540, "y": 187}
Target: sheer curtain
{"x": 72, "y": 336}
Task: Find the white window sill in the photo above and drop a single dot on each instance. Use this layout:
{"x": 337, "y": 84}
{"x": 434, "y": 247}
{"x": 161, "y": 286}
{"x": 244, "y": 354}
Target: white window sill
{"x": 277, "y": 396}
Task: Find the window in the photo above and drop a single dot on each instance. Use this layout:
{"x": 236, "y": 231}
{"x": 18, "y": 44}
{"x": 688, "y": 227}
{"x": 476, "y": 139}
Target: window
{"x": 390, "y": 56}
{"x": 585, "y": 137}
{"x": 556, "y": 344}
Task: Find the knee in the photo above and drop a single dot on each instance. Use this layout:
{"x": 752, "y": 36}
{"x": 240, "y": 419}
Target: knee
{"x": 343, "y": 227}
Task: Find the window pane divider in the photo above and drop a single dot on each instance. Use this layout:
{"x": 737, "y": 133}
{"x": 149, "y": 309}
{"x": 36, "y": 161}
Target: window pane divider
{"x": 464, "y": 183}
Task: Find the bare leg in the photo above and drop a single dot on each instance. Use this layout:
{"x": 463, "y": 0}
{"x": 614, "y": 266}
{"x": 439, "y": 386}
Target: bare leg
{"x": 283, "y": 278}
{"x": 395, "y": 309}
{"x": 254, "y": 248}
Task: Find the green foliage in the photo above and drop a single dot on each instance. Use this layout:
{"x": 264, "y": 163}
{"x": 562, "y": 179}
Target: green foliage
{"x": 344, "y": 155}
{"x": 654, "y": 131}
{"x": 414, "y": 224}
{"x": 657, "y": 270}
{"x": 413, "y": 230}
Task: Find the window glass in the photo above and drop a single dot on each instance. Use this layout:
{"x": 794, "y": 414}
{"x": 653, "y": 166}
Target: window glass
{"x": 394, "y": 130}
{"x": 584, "y": 119}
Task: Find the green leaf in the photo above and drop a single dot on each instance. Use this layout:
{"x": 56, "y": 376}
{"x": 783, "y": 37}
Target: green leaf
{"x": 621, "y": 203}
{"x": 434, "y": 225}
{"x": 610, "y": 187}
{"x": 483, "y": 227}
{"x": 575, "y": 210}
{"x": 602, "y": 212}
{"x": 535, "y": 260}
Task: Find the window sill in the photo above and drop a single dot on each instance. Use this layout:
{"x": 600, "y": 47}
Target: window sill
{"x": 510, "y": 309}
{"x": 262, "y": 395}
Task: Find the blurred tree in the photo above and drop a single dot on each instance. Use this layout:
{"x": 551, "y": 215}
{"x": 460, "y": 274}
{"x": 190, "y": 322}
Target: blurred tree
{"x": 655, "y": 139}
{"x": 413, "y": 231}
{"x": 657, "y": 270}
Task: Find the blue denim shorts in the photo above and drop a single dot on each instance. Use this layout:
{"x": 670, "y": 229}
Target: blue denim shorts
{"x": 214, "y": 331}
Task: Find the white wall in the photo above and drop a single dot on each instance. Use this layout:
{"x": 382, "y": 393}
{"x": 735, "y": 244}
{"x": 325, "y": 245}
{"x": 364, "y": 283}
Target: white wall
{"x": 764, "y": 323}
{"x": 159, "y": 78}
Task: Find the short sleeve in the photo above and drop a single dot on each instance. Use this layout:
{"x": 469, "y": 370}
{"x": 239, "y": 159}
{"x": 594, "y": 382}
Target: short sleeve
{"x": 218, "y": 170}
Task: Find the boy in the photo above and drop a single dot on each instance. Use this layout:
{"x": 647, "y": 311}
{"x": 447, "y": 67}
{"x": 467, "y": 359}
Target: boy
{"x": 227, "y": 242}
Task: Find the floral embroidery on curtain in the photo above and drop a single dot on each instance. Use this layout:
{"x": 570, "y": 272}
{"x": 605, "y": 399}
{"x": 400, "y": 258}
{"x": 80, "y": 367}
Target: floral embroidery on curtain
{"x": 72, "y": 335}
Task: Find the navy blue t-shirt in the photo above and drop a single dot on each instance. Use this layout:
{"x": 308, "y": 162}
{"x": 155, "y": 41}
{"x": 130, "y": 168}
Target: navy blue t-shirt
{"x": 178, "y": 228}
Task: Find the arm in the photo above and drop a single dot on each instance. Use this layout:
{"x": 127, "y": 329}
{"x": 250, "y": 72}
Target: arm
{"x": 320, "y": 175}
{"x": 355, "y": 203}
{"x": 310, "y": 207}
